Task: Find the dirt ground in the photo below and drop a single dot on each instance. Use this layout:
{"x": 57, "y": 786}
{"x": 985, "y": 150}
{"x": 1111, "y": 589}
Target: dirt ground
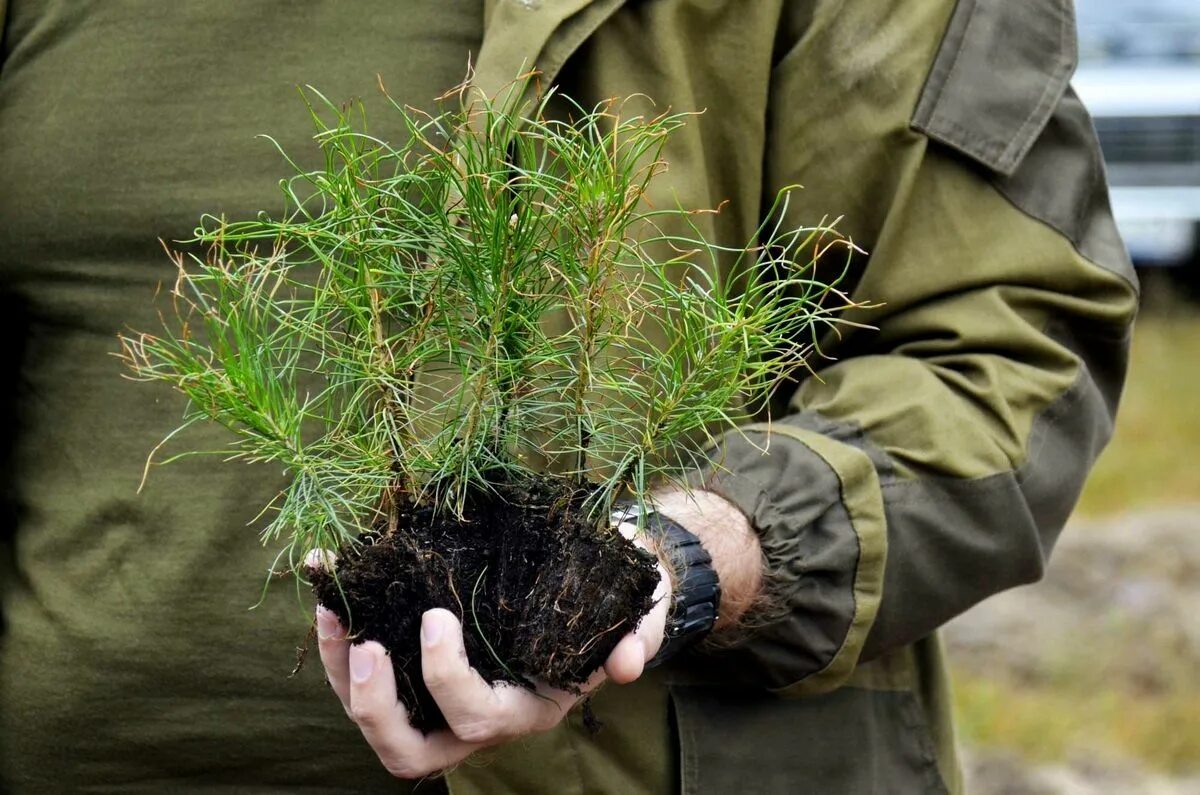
{"x": 992, "y": 772}
{"x": 1089, "y": 681}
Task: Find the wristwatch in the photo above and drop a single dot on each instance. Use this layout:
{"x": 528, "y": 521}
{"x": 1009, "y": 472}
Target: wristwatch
{"x": 697, "y": 593}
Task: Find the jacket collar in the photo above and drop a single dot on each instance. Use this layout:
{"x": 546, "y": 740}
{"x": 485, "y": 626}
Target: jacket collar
{"x": 520, "y": 35}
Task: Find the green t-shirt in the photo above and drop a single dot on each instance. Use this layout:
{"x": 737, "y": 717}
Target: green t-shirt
{"x": 129, "y": 661}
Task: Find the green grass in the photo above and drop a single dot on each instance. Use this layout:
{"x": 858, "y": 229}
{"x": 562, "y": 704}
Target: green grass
{"x": 1086, "y": 708}
{"x": 1149, "y": 462}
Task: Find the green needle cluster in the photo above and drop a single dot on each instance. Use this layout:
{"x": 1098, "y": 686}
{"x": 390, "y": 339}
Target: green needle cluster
{"x": 490, "y": 299}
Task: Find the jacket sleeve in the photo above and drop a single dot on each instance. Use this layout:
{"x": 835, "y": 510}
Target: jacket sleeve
{"x": 935, "y": 460}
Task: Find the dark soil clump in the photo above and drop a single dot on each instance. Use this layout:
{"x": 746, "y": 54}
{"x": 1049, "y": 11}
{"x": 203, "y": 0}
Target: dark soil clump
{"x": 541, "y": 593}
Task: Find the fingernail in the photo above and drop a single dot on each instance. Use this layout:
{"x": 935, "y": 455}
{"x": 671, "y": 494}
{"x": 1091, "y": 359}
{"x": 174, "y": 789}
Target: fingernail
{"x": 362, "y": 664}
{"x": 327, "y": 624}
{"x": 432, "y": 627}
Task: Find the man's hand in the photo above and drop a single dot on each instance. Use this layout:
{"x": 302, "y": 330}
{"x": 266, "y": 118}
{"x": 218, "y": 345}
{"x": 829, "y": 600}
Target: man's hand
{"x": 481, "y": 715}
{"x": 478, "y": 714}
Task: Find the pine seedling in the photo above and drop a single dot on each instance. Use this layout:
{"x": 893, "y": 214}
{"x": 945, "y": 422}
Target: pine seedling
{"x": 489, "y": 311}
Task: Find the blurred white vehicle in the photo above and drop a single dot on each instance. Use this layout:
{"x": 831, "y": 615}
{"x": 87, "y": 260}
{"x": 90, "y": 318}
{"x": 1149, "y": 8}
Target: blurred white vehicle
{"x": 1139, "y": 75}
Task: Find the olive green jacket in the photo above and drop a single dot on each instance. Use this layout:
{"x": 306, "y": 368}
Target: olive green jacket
{"x": 933, "y": 458}
{"x": 931, "y": 464}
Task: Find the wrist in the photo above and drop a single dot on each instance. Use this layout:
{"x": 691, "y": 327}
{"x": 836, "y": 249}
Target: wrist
{"x": 693, "y": 593}
{"x": 728, "y": 537}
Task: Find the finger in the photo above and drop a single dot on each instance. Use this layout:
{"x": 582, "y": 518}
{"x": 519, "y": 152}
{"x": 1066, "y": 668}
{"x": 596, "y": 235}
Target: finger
{"x": 318, "y": 559}
{"x": 629, "y": 531}
{"x": 403, "y": 750}
{"x": 475, "y": 711}
{"x": 335, "y": 652}
{"x": 472, "y": 709}
{"x": 627, "y": 660}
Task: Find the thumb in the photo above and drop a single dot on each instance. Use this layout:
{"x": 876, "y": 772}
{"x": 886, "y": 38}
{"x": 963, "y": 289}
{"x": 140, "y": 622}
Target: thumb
{"x": 628, "y": 660}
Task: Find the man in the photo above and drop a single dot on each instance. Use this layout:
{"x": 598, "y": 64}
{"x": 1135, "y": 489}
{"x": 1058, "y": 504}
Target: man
{"x": 931, "y": 464}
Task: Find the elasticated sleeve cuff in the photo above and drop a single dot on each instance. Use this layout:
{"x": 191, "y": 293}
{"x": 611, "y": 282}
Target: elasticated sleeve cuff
{"x": 817, "y": 506}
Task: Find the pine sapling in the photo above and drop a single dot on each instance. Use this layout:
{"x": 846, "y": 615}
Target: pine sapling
{"x": 466, "y": 349}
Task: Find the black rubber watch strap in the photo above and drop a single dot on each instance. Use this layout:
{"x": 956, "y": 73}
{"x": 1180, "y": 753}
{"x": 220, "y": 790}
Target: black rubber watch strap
{"x": 697, "y": 594}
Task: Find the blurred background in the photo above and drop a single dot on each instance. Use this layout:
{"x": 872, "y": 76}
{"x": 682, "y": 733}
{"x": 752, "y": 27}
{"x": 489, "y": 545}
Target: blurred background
{"x": 1089, "y": 682}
